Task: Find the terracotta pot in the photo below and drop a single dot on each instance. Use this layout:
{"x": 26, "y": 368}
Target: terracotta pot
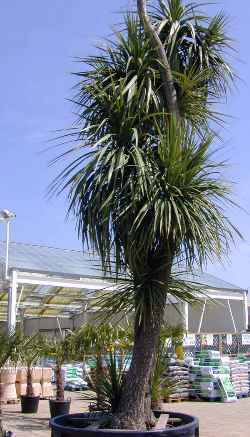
{"x": 7, "y": 385}
{"x": 8, "y": 375}
{"x": 21, "y": 388}
{"x": 37, "y": 374}
{"x": 8, "y": 392}
{"x": 47, "y": 390}
{"x": 46, "y": 374}
{"x": 37, "y": 389}
{"x": 21, "y": 375}
{"x": 21, "y": 381}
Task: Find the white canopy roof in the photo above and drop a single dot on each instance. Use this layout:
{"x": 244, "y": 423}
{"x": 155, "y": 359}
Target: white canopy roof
{"x": 52, "y": 282}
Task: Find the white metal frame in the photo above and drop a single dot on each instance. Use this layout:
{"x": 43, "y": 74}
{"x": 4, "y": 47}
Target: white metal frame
{"x": 17, "y": 278}
{"x": 12, "y": 301}
{"x": 41, "y": 280}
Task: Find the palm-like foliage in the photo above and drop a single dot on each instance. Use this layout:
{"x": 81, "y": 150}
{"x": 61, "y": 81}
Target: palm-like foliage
{"x": 109, "y": 345}
{"x": 93, "y": 339}
{"x": 9, "y": 353}
{"x": 10, "y": 343}
{"x": 61, "y": 350}
{"x": 108, "y": 386}
{"x": 31, "y": 350}
{"x": 123, "y": 167}
{"x": 144, "y": 186}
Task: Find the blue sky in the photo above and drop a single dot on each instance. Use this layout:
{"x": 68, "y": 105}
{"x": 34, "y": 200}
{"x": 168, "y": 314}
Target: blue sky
{"x": 38, "y": 43}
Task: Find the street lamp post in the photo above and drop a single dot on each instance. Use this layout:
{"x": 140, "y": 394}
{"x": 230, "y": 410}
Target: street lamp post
{"x": 6, "y": 216}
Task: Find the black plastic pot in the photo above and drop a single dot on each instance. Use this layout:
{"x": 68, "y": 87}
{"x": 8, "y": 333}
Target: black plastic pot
{"x": 72, "y": 425}
{"x": 59, "y": 408}
{"x": 29, "y": 404}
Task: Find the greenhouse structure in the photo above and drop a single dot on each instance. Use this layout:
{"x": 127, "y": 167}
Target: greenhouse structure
{"x": 49, "y": 289}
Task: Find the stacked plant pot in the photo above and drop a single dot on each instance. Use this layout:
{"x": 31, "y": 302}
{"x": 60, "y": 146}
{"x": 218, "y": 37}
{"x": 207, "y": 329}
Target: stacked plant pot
{"x": 46, "y": 386}
{"x": 36, "y": 380}
{"x": 7, "y": 384}
{"x": 21, "y": 381}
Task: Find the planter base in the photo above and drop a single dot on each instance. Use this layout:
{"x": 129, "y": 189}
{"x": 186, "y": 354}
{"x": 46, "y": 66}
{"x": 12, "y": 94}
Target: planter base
{"x": 72, "y": 425}
{"x": 59, "y": 408}
{"x": 29, "y": 404}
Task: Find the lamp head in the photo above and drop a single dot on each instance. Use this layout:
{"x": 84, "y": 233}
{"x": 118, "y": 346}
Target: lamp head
{"x": 6, "y": 215}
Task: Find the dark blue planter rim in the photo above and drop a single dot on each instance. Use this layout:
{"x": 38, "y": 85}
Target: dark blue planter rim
{"x": 192, "y": 420}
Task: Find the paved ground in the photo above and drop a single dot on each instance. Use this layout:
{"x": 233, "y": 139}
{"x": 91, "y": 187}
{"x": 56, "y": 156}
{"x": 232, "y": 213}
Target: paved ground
{"x": 216, "y": 420}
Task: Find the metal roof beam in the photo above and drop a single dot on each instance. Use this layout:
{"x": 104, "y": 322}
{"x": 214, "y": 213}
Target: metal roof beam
{"x": 24, "y": 278}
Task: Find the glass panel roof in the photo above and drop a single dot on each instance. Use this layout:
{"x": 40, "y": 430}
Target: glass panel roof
{"x": 34, "y": 258}
{"x": 47, "y": 300}
{"x": 48, "y": 259}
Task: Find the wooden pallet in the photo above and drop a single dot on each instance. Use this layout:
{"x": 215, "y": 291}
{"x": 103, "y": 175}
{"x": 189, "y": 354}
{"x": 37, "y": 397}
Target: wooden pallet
{"x": 10, "y": 402}
{"x": 175, "y": 400}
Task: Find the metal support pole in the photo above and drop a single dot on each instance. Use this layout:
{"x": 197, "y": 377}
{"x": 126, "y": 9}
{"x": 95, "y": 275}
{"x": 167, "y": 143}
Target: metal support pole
{"x": 12, "y": 301}
{"x": 246, "y": 310}
{"x": 202, "y": 316}
{"x": 7, "y": 249}
{"x": 231, "y": 314}
{"x": 186, "y": 316}
{"x": 59, "y": 326}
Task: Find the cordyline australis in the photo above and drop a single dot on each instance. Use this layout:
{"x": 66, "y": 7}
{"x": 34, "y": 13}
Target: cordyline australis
{"x": 143, "y": 186}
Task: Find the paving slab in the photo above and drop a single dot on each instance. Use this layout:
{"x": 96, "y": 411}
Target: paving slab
{"x": 216, "y": 419}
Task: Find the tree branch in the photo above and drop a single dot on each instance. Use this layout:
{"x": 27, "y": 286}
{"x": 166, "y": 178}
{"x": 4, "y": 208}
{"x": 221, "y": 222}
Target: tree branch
{"x": 166, "y": 73}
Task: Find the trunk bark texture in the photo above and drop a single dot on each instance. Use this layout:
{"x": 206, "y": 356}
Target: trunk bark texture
{"x": 59, "y": 383}
{"x": 29, "y": 390}
{"x": 134, "y": 409}
{"x": 166, "y": 72}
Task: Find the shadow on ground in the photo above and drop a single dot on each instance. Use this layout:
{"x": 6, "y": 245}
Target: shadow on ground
{"x": 15, "y": 420}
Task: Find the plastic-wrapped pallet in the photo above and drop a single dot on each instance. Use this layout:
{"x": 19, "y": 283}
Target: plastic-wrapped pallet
{"x": 73, "y": 377}
{"x": 210, "y": 378}
{"x": 177, "y": 373}
{"x": 248, "y": 364}
{"x": 239, "y": 377}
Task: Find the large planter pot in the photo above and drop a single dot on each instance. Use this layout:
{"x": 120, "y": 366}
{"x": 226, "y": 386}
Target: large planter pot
{"x": 29, "y": 404}
{"x": 59, "y": 408}
{"x": 72, "y": 425}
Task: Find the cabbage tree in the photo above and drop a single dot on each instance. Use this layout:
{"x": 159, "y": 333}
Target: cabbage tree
{"x": 144, "y": 185}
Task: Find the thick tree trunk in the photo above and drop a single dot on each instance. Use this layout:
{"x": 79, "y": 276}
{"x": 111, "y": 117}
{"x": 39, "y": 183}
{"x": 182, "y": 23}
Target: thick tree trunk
{"x": 29, "y": 390}
{"x": 59, "y": 383}
{"x": 166, "y": 72}
{"x": 133, "y": 411}
{"x": 131, "y": 414}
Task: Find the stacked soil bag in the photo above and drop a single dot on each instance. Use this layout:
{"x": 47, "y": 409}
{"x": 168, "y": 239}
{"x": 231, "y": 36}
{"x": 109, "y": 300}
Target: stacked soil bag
{"x": 177, "y": 380}
{"x": 239, "y": 377}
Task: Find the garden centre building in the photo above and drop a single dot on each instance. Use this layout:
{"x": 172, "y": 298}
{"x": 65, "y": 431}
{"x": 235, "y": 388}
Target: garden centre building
{"x": 51, "y": 289}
